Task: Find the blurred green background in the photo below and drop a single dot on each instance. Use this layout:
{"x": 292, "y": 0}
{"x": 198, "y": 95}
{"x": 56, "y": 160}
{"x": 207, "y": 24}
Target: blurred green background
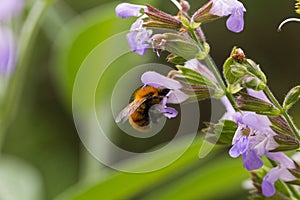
{"x": 43, "y": 139}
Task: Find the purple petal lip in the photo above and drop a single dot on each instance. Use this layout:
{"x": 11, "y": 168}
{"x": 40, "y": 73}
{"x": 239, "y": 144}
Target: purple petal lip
{"x": 125, "y": 10}
{"x": 252, "y": 160}
{"x": 235, "y": 22}
{"x": 170, "y": 112}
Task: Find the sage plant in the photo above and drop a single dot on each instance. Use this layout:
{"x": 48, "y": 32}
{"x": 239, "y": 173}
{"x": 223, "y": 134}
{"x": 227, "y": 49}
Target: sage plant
{"x": 256, "y": 125}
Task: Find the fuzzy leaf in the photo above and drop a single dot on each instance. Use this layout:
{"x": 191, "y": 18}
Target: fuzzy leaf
{"x": 291, "y": 98}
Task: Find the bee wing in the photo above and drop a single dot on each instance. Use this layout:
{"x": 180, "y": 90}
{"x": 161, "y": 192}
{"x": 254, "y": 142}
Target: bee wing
{"x": 129, "y": 110}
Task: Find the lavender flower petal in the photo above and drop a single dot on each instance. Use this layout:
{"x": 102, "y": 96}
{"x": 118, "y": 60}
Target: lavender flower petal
{"x": 10, "y": 8}
{"x": 267, "y": 186}
{"x": 257, "y": 122}
{"x": 239, "y": 147}
{"x": 167, "y": 111}
{"x": 251, "y": 160}
{"x": 280, "y": 172}
{"x": 235, "y": 22}
{"x": 177, "y": 97}
{"x": 258, "y": 94}
{"x": 225, "y": 7}
{"x": 170, "y": 112}
{"x": 157, "y": 80}
{"x": 125, "y": 10}
{"x": 138, "y": 37}
{"x": 233, "y": 8}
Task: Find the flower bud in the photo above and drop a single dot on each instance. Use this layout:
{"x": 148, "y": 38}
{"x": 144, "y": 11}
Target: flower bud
{"x": 286, "y": 143}
{"x": 203, "y": 14}
{"x": 161, "y": 19}
{"x": 253, "y": 83}
{"x": 280, "y": 125}
{"x": 250, "y": 103}
{"x": 185, "y": 5}
{"x": 176, "y": 44}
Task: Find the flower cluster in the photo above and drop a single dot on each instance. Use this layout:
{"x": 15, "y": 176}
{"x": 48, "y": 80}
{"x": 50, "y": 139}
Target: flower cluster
{"x": 148, "y": 16}
{"x": 255, "y": 124}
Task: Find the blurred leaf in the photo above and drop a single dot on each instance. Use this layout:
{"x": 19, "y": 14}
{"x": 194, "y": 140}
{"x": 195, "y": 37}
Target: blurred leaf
{"x": 78, "y": 39}
{"x": 19, "y": 180}
{"x": 189, "y": 176}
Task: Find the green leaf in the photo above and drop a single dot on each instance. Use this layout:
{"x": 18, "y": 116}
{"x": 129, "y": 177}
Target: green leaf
{"x": 78, "y": 39}
{"x": 188, "y": 173}
{"x": 221, "y": 133}
{"x": 175, "y": 59}
{"x": 291, "y": 98}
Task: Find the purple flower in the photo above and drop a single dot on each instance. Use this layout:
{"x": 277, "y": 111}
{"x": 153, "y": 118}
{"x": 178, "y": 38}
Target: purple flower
{"x": 234, "y": 8}
{"x": 175, "y": 96}
{"x": 7, "y": 52}
{"x": 253, "y": 138}
{"x": 280, "y": 172}
{"x": 10, "y": 8}
{"x": 139, "y": 37}
{"x": 125, "y": 10}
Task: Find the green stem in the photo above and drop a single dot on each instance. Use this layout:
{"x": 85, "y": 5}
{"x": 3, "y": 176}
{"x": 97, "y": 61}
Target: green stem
{"x": 213, "y": 68}
{"x": 16, "y": 82}
{"x": 283, "y": 112}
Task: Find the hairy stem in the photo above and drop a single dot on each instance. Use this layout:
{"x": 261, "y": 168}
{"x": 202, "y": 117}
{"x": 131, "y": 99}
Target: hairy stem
{"x": 213, "y": 68}
{"x": 283, "y": 112}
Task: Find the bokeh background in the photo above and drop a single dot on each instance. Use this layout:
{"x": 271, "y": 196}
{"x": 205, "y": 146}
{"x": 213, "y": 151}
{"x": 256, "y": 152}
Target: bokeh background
{"x": 42, "y": 144}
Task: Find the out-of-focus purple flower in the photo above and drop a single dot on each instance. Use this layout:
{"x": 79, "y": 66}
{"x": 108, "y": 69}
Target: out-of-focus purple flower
{"x": 280, "y": 172}
{"x": 175, "y": 96}
{"x": 10, "y": 8}
{"x": 125, "y": 10}
{"x": 234, "y": 8}
{"x": 139, "y": 37}
{"x": 7, "y": 52}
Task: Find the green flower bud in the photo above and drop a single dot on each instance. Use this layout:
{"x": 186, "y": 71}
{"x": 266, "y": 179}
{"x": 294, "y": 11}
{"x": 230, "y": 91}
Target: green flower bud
{"x": 286, "y": 143}
{"x": 253, "y": 83}
{"x": 280, "y": 125}
{"x": 250, "y": 103}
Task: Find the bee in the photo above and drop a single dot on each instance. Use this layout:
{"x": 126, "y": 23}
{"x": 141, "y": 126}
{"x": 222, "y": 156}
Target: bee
{"x": 138, "y": 109}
